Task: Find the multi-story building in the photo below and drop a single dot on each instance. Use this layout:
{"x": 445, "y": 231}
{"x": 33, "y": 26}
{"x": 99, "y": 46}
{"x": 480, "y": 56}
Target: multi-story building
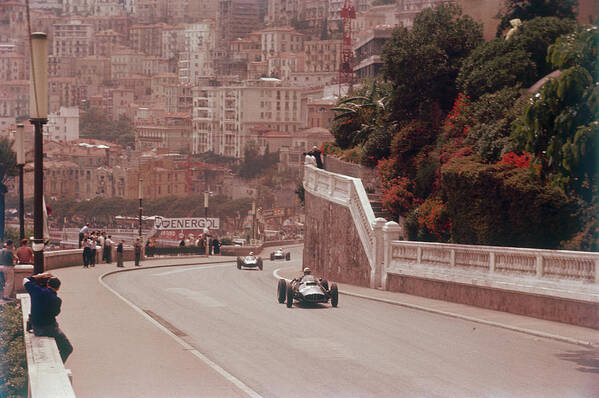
{"x": 125, "y": 63}
{"x": 173, "y": 40}
{"x": 63, "y": 125}
{"x": 92, "y": 71}
{"x": 13, "y": 22}
{"x": 12, "y": 66}
{"x": 322, "y": 55}
{"x": 283, "y": 12}
{"x": 314, "y": 14}
{"x": 196, "y": 59}
{"x": 278, "y": 40}
{"x": 150, "y": 11}
{"x": 106, "y": 41}
{"x": 14, "y": 99}
{"x": 224, "y": 116}
{"x": 140, "y": 85}
{"x": 171, "y": 131}
{"x": 64, "y": 91}
{"x": 368, "y": 50}
{"x": 147, "y": 38}
{"x": 117, "y": 101}
{"x": 108, "y": 8}
{"x": 159, "y": 85}
{"x": 320, "y": 113}
{"x": 118, "y": 24}
{"x": 61, "y": 66}
{"x": 202, "y": 10}
{"x": 162, "y": 176}
{"x": 236, "y": 18}
{"x": 73, "y": 39}
{"x": 154, "y": 66}
{"x": 283, "y": 65}
{"x": 313, "y": 79}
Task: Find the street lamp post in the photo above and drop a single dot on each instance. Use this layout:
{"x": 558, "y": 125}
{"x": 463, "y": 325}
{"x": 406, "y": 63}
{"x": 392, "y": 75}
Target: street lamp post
{"x": 20, "y": 164}
{"x": 140, "y": 196}
{"x": 38, "y": 109}
{"x": 206, "y": 231}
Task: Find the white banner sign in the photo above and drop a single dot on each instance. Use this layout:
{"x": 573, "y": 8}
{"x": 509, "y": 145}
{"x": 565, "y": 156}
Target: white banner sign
{"x": 186, "y": 223}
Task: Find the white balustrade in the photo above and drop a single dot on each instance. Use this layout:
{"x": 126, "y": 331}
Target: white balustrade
{"x": 551, "y": 266}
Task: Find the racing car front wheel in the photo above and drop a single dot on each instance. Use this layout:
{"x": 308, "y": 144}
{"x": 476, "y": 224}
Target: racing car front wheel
{"x": 334, "y": 295}
{"x": 238, "y": 263}
{"x": 272, "y": 256}
{"x": 289, "y": 295}
{"x": 282, "y": 290}
{"x": 260, "y": 266}
{"x": 288, "y": 256}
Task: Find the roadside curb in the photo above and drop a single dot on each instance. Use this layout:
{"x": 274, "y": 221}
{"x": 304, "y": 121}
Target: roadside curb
{"x": 463, "y": 317}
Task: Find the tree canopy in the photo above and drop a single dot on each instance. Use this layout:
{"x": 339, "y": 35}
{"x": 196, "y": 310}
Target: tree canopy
{"x": 422, "y": 64}
{"x": 529, "y": 9}
{"x": 94, "y": 123}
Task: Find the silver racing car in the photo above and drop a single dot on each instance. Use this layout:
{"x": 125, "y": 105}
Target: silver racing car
{"x": 249, "y": 261}
{"x": 280, "y": 255}
{"x": 307, "y": 289}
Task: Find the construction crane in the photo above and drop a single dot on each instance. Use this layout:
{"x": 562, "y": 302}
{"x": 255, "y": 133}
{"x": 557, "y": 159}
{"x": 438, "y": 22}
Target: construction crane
{"x": 346, "y": 67}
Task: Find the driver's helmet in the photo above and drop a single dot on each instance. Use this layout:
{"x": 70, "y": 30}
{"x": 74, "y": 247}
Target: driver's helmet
{"x": 251, "y": 253}
{"x": 280, "y": 249}
{"x": 307, "y": 271}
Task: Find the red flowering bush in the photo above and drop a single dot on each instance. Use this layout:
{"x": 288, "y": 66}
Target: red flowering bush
{"x": 519, "y": 161}
{"x": 398, "y": 197}
{"x": 433, "y": 219}
{"x": 459, "y": 120}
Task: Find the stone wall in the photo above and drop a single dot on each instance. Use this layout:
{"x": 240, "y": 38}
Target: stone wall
{"x": 581, "y": 313}
{"x": 332, "y": 246}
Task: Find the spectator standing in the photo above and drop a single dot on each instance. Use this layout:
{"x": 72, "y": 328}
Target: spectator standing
{"x": 7, "y": 266}
{"x": 100, "y": 241}
{"x": 315, "y": 152}
{"x": 87, "y": 251}
{"x": 119, "y": 254}
{"x": 94, "y": 250}
{"x": 216, "y": 245}
{"x": 82, "y": 232}
{"x": 25, "y": 253}
{"x": 45, "y": 306}
{"x": 108, "y": 249}
{"x": 137, "y": 251}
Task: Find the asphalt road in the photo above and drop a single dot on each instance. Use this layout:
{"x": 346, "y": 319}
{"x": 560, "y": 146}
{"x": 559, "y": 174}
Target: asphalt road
{"x": 360, "y": 349}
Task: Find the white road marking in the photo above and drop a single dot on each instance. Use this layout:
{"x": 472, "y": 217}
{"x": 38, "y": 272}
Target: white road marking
{"x": 198, "y": 296}
{"x": 228, "y": 376}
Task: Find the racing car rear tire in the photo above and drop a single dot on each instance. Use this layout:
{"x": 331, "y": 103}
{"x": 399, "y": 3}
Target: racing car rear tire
{"x": 282, "y": 290}
{"x": 334, "y": 292}
{"x": 289, "y": 295}
{"x": 260, "y": 266}
{"x": 288, "y": 256}
{"x": 272, "y": 256}
{"x": 238, "y": 263}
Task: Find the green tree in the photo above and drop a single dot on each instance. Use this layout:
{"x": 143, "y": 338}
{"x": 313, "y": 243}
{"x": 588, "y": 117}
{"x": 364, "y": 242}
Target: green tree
{"x": 506, "y": 206}
{"x": 422, "y": 64}
{"x": 559, "y": 125}
{"x": 94, "y": 123}
{"x": 254, "y": 163}
{"x": 529, "y": 9}
{"x": 8, "y": 167}
{"x": 360, "y": 115}
{"x": 519, "y": 61}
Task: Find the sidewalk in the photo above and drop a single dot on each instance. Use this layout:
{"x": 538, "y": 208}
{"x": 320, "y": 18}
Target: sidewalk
{"x": 533, "y": 326}
{"x": 119, "y": 352}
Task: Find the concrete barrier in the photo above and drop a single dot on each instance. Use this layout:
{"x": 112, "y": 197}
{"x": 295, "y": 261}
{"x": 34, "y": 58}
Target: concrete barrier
{"x": 48, "y": 377}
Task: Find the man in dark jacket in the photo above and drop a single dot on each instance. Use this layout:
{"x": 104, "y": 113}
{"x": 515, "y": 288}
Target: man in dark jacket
{"x": 45, "y": 306}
